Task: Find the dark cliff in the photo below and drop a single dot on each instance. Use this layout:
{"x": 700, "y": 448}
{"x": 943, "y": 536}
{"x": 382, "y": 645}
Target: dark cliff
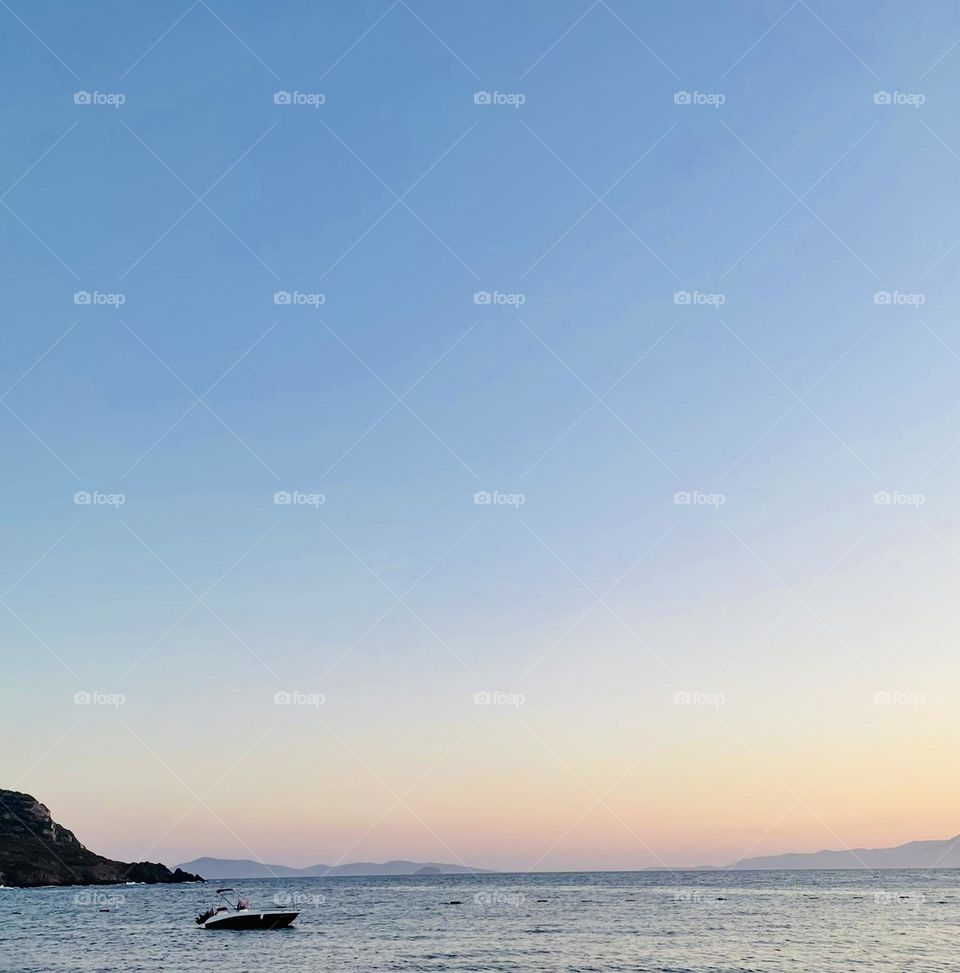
{"x": 35, "y": 850}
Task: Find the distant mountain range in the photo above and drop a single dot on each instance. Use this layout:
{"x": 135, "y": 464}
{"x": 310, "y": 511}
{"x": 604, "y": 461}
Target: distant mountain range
{"x": 233, "y": 868}
{"x": 944, "y": 853}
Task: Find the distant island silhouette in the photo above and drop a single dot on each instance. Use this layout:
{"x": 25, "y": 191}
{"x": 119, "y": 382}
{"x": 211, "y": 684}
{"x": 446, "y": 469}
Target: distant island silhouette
{"x": 236, "y": 868}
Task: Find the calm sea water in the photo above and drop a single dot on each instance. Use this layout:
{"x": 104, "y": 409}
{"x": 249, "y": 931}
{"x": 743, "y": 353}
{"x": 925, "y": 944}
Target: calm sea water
{"x": 761, "y": 922}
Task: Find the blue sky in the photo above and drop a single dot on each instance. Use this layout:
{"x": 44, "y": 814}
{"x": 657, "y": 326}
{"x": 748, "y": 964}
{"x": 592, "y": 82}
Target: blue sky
{"x": 597, "y": 200}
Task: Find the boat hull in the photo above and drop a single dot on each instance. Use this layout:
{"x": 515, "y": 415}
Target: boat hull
{"x": 248, "y": 919}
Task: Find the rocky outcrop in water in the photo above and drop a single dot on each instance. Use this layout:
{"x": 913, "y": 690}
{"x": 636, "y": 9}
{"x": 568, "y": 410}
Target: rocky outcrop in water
{"x": 35, "y": 850}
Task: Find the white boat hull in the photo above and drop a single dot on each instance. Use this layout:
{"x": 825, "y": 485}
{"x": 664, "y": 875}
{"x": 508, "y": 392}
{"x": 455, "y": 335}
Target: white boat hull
{"x": 250, "y": 919}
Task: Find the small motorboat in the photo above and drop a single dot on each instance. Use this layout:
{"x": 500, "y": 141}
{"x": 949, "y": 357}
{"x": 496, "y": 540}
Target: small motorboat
{"x": 242, "y": 916}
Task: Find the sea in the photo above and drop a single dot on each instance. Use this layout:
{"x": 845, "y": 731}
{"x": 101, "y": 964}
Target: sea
{"x": 661, "y": 922}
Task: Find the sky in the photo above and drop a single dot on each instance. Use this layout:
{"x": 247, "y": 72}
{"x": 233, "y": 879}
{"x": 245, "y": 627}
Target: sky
{"x": 514, "y": 434}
